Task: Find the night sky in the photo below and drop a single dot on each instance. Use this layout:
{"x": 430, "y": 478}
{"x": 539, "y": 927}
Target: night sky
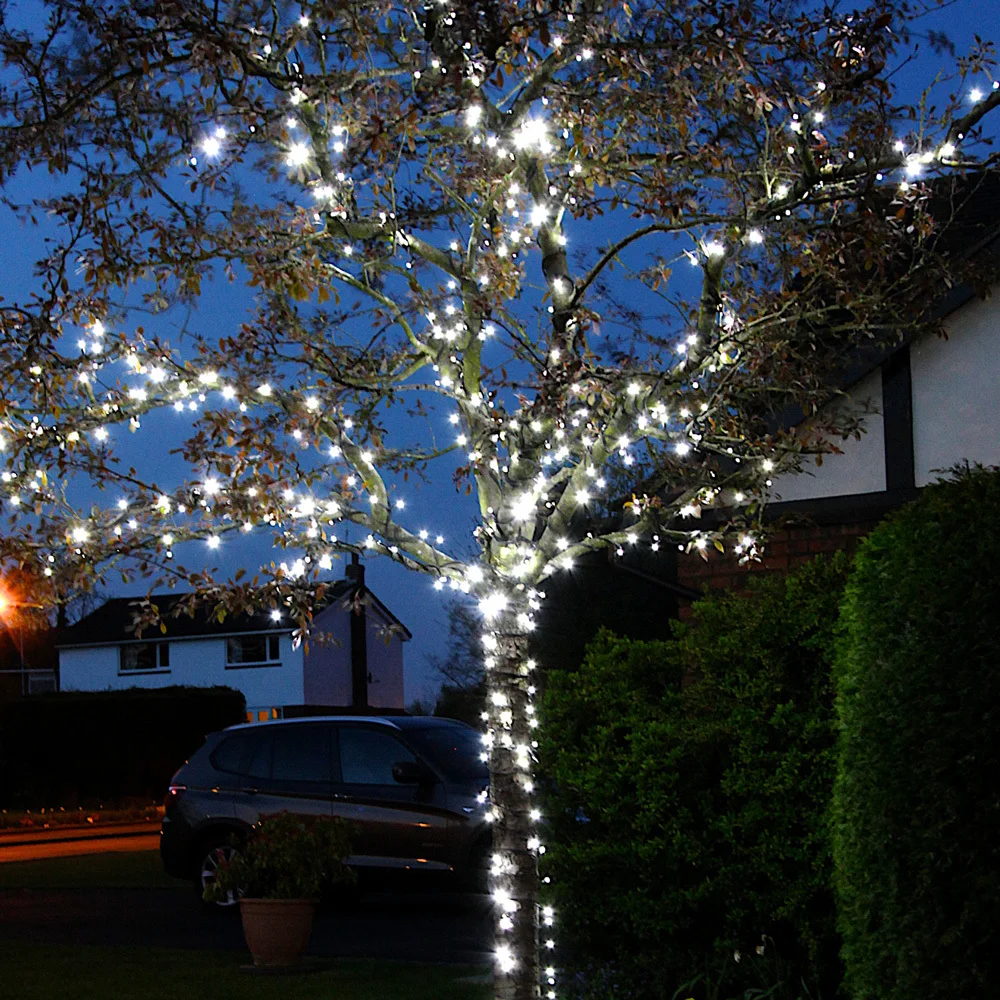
{"x": 438, "y": 506}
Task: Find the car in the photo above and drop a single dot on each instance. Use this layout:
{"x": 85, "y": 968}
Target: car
{"x": 413, "y": 788}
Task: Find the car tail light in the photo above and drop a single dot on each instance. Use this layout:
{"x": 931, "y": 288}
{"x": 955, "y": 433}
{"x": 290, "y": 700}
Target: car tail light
{"x": 173, "y": 794}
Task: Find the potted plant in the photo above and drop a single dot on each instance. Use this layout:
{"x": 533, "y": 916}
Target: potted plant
{"x": 278, "y": 875}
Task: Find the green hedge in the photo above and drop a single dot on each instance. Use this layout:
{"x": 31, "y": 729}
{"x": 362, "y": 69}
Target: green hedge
{"x": 917, "y": 804}
{"x": 88, "y": 748}
{"x": 690, "y": 786}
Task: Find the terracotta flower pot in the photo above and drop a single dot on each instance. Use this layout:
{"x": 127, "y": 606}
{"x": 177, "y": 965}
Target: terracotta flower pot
{"x": 277, "y": 930}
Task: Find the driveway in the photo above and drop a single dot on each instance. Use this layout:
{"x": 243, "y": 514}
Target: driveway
{"x": 403, "y": 926}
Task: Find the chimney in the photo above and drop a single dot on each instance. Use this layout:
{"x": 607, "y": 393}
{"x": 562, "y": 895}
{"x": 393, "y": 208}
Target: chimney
{"x": 359, "y": 634}
{"x": 355, "y": 571}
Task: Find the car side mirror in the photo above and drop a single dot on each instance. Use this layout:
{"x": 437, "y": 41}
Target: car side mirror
{"x": 412, "y": 772}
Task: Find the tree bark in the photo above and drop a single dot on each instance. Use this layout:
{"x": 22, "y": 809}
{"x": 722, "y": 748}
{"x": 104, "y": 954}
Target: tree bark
{"x": 514, "y": 878}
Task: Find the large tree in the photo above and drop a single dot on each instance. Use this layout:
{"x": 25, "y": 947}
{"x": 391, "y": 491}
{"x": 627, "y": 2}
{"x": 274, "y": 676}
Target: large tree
{"x": 612, "y": 244}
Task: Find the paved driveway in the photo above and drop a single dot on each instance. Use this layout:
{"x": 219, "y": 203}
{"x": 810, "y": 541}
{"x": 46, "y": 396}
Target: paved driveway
{"x": 405, "y": 926}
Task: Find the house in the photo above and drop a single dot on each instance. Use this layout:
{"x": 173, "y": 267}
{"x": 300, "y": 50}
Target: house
{"x": 357, "y": 668}
{"x": 928, "y": 405}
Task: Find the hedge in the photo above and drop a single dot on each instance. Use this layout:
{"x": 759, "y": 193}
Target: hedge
{"x": 105, "y": 747}
{"x": 690, "y": 787}
{"x": 917, "y": 799}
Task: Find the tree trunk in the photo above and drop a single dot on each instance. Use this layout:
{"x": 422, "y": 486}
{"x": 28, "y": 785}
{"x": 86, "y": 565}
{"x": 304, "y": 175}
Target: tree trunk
{"x": 514, "y": 878}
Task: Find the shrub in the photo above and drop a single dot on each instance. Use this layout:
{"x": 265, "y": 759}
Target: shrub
{"x": 105, "y": 747}
{"x": 691, "y": 781}
{"x": 917, "y": 801}
{"x": 286, "y": 857}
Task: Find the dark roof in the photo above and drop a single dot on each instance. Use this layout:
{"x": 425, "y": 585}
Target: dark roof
{"x": 114, "y": 621}
{"x": 971, "y": 204}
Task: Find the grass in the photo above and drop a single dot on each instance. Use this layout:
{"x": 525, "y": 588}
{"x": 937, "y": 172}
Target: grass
{"x": 39, "y": 972}
{"x": 125, "y": 870}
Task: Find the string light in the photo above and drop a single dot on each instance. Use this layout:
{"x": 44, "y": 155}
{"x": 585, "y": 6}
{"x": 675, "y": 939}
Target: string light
{"x": 297, "y": 155}
{"x": 531, "y": 522}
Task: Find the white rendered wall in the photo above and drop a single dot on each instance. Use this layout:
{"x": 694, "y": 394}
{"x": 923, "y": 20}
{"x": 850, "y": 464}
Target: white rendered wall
{"x": 197, "y": 662}
{"x": 956, "y": 392}
{"x": 861, "y": 467}
{"x": 385, "y": 664}
{"x": 94, "y": 669}
{"x": 327, "y": 666}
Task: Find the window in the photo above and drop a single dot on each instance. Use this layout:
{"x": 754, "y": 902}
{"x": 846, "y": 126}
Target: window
{"x": 142, "y": 656}
{"x": 252, "y": 650}
{"x": 457, "y": 749}
{"x": 233, "y": 753}
{"x": 367, "y": 756}
{"x": 300, "y": 753}
{"x": 260, "y": 762}
{"x": 263, "y": 714}
{"x": 283, "y": 753}
{"x": 41, "y": 683}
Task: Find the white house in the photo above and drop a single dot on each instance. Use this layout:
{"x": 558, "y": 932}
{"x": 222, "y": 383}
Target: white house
{"x": 358, "y": 667}
{"x": 929, "y": 405}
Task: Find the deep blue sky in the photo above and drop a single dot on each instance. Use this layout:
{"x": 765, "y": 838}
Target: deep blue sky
{"x": 435, "y": 506}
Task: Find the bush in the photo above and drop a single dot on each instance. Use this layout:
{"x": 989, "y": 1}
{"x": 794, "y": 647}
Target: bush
{"x": 691, "y": 781}
{"x": 105, "y": 747}
{"x": 286, "y": 857}
{"x": 917, "y": 801}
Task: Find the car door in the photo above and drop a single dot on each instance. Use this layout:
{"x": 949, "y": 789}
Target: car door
{"x": 397, "y": 825}
{"x": 289, "y": 771}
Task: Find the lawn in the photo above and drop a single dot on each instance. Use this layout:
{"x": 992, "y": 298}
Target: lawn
{"x": 40, "y": 972}
{"x": 125, "y": 870}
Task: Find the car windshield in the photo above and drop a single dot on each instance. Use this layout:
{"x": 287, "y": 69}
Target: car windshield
{"x": 455, "y": 749}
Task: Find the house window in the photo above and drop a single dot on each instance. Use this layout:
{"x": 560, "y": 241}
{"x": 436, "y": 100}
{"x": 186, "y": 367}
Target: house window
{"x": 138, "y": 657}
{"x": 263, "y": 714}
{"x": 252, "y": 650}
{"x": 41, "y": 683}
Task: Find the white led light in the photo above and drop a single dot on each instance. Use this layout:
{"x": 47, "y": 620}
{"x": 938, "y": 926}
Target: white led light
{"x": 298, "y": 154}
{"x": 493, "y": 604}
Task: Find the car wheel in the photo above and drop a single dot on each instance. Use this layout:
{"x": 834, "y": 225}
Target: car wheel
{"x": 209, "y": 858}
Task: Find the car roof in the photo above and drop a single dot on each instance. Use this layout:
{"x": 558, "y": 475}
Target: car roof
{"x": 395, "y": 722}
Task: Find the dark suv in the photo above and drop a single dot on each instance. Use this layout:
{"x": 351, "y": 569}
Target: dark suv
{"x": 411, "y": 786}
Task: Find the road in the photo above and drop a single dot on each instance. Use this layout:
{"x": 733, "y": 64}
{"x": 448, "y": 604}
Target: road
{"x": 402, "y": 926}
{"x": 28, "y": 845}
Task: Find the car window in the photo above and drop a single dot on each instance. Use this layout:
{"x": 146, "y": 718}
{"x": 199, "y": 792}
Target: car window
{"x": 233, "y": 753}
{"x": 457, "y": 750}
{"x": 300, "y": 753}
{"x": 260, "y": 763}
{"x": 367, "y": 756}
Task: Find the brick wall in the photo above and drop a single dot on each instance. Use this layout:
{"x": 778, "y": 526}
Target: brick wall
{"x": 786, "y": 548}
